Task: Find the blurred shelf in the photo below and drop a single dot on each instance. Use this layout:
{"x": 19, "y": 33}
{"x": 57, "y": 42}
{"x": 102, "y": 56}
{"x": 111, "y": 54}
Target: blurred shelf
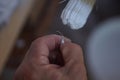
{"x": 9, "y": 34}
{"x": 28, "y": 23}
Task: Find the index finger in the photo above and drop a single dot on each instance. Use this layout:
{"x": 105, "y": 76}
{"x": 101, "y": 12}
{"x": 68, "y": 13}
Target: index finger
{"x": 40, "y": 48}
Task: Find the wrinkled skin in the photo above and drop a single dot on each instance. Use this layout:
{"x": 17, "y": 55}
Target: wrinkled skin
{"x": 36, "y": 65}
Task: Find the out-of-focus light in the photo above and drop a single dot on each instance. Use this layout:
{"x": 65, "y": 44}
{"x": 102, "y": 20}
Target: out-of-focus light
{"x": 103, "y": 51}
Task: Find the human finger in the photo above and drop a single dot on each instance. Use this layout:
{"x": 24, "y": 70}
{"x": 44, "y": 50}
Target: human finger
{"x": 40, "y": 48}
{"x": 71, "y": 51}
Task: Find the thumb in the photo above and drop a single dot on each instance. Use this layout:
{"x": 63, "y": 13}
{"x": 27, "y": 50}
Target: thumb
{"x": 72, "y": 52}
{"x": 74, "y": 62}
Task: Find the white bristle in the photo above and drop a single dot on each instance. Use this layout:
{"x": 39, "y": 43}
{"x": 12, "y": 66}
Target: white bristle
{"x": 76, "y": 13}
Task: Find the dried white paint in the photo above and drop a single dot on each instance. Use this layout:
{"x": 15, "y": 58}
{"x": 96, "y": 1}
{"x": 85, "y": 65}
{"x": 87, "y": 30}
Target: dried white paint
{"x": 76, "y": 13}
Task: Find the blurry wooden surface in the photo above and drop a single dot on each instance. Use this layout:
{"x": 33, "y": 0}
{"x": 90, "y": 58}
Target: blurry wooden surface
{"x": 9, "y": 34}
{"x": 37, "y": 10}
{"x": 48, "y": 18}
{"x": 37, "y": 24}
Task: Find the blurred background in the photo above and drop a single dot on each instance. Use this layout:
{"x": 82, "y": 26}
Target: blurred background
{"x": 34, "y": 18}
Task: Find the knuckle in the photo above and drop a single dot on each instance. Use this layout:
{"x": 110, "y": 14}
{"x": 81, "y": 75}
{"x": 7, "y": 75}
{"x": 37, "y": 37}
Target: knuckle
{"x": 54, "y": 35}
{"x": 43, "y": 39}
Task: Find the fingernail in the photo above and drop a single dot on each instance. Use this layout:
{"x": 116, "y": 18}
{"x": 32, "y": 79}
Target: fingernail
{"x": 64, "y": 40}
{"x": 67, "y": 39}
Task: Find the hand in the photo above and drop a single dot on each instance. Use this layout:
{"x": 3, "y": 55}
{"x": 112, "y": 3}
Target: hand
{"x": 36, "y": 65}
